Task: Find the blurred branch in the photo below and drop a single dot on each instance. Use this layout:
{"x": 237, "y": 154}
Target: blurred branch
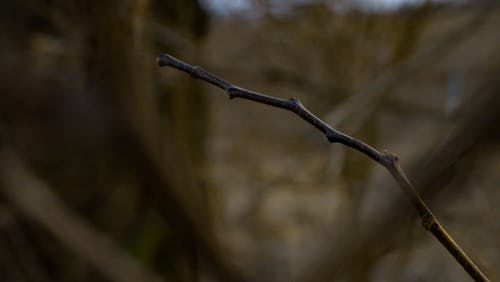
{"x": 387, "y": 160}
{"x": 24, "y": 258}
{"x": 125, "y": 82}
{"x": 35, "y": 200}
{"x": 355, "y": 110}
{"x": 178, "y": 202}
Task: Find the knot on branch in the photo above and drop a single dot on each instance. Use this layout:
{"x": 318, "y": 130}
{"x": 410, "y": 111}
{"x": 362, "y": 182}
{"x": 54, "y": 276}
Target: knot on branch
{"x": 389, "y": 159}
{"x": 295, "y": 102}
{"x": 428, "y": 221}
{"x": 230, "y": 92}
{"x": 332, "y": 136}
{"x": 196, "y": 71}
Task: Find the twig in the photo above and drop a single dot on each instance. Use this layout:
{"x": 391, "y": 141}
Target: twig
{"x": 387, "y": 160}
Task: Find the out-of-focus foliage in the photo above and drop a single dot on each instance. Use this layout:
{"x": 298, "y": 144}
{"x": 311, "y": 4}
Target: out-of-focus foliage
{"x": 196, "y": 188}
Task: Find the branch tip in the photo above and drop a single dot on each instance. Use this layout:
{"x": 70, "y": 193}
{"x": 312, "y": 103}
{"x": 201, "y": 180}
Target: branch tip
{"x": 163, "y": 60}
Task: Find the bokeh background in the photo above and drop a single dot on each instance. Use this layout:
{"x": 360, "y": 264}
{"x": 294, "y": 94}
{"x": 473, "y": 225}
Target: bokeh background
{"x": 113, "y": 169}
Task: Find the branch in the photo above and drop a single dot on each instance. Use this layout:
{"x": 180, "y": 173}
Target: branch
{"x": 387, "y": 160}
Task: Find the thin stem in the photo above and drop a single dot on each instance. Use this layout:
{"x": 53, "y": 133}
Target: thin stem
{"x": 387, "y": 160}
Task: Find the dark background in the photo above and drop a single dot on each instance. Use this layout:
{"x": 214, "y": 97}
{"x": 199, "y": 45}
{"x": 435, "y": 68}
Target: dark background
{"x": 113, "y": 169}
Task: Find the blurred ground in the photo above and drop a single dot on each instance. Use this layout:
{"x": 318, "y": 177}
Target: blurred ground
{"x": 114, "y": 169}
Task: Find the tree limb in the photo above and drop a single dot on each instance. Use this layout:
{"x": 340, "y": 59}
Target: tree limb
{"x": 387, "y": 160}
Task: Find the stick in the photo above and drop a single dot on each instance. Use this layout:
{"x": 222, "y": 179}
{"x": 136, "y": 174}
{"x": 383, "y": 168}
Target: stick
{"x": 386, "y": 159}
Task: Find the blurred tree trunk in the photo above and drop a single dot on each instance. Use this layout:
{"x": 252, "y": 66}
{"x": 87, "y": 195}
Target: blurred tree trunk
{"x": 88, "y": 75}
{"x": 119, "y": 35}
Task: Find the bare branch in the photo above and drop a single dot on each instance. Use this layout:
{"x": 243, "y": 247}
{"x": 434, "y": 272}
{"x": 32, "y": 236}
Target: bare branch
{"x": 387, "y": 160}
{"x": 292, "y": 104}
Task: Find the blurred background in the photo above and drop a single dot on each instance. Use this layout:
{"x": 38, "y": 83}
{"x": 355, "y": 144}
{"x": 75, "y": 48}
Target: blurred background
{"x": 113, "y": 169}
